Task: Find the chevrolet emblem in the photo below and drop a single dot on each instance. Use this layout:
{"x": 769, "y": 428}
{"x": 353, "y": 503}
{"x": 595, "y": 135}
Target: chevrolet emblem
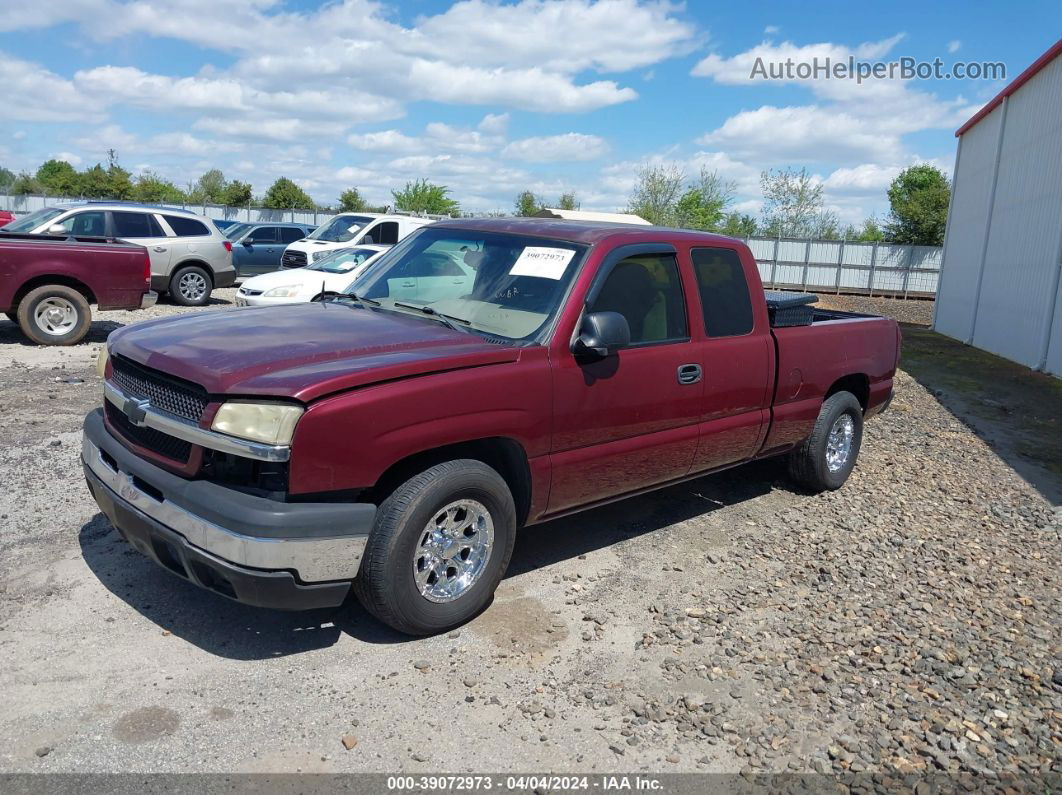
{"x": 136, "y": 410}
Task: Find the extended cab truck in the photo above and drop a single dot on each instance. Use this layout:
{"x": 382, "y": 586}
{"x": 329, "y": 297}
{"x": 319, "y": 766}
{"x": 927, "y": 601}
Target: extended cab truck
{"x": 391, "y": 440}
{"x": 48, "y": 282}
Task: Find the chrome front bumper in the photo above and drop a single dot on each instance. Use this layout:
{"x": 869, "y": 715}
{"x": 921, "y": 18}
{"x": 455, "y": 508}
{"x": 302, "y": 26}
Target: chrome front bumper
{"x": 312, "y": 559}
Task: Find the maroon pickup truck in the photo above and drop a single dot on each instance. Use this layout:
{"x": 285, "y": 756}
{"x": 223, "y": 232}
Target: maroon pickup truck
{"x": 48, "y": 282}
{"x": 483, "y": 376}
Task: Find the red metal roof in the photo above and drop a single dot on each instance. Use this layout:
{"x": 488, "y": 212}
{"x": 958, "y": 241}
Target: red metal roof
{"x": 1018, "y": 82}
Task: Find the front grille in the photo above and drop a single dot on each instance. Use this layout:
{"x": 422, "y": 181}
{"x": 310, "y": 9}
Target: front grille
{"x": 245, "y": 291}
{"x": 293, "y": 259}
{"x": 166, "y": 393}
{"x": 175, "y": 449}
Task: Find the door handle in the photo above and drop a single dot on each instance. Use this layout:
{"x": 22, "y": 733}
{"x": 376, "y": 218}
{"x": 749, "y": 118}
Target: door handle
{"x": 689, "y": 373}
{"x": 160, "y": 249}
{"x": 409, "y": 284}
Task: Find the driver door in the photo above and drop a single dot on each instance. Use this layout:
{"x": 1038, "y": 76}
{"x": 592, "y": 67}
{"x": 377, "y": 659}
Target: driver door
{"x": 629, "y": 421}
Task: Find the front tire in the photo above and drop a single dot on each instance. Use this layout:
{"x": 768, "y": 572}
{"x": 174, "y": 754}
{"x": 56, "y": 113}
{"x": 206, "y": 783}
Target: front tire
{"x": 190, "y": 286}
{"x": 439, "y": 547}
{"x": 54, "y": 315}
{"x": 826, "y": 458}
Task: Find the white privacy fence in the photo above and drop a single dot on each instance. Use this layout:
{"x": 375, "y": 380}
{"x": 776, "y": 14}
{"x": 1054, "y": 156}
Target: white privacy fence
{"x": 842, "y": 266}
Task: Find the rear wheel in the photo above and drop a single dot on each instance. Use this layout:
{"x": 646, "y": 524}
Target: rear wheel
{"x": 826, "y": 458}
{"x": 439, "y": 547}
{"x": 190, "y": 286}
{"x": 54, "y": 315}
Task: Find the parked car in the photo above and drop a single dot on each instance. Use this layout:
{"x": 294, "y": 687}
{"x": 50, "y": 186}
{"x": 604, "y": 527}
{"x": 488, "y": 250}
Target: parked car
{"x": 189, "y": 256}
{"x": 350, "y": 229}
{"x": 257, "y": 248}
{"x": 47, "y": 283}
{"x": 6, "y": 218}
{"x": 224, "y": 224}
{"x": 333, "y": 273}
{"x": 397, "y": 437}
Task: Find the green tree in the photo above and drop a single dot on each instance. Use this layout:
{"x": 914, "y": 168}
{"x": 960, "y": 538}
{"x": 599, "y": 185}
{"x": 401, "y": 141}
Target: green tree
{"x": 567, "y": 201}
{"x": 58, "y": 178}
{"x": 7, "y": 176}
{"x": 25, "y": 184}
{"x": 286, "y": 195}
{"x": 656, "y": 194}
{"x": 739, "y": 225}
{"x": 153, "y": 189}
{"x": 703, "y": 205}
{"x": 918, "y": 199}
{"x": 526, "y": 204}
{"x": 350, "y": 201}
{"x": 425, "y": 197}
{"x": 209, "y": 188}
{"x": 236, "y": 194}
{"x": 94, "y": 183}
{"x": 869, "y": 232}
{"x": 793, "y": 205}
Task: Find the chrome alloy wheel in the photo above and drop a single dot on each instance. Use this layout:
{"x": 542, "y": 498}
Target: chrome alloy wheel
{"x": 55, "y": 316}
{"x": 192, "y": 286}
{"x": 839, "y": 442}
{"x": 453, "y": 551}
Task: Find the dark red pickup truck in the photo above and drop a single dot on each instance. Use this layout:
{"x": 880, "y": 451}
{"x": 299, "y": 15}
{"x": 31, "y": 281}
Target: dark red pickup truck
{"x": 47, "y": 283}
{"x": 484, "y": 375}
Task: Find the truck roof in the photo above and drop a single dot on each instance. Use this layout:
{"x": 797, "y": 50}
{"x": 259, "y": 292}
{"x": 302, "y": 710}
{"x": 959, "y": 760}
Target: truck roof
{"x": 588, "y": 232}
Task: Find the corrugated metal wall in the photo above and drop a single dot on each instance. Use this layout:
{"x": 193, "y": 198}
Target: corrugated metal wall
{"x": 1012, "y": 312}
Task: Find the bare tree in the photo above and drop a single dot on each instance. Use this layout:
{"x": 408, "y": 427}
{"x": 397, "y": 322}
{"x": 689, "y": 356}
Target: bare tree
{"x": 657, "y": 193}
{"x": 792, "y": 205}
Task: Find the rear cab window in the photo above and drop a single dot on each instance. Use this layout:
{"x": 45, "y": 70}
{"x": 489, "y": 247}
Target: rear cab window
{"x": 724, "y": 291}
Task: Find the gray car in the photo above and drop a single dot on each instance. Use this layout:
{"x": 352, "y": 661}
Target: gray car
{"x": 257, "y": 248}
{"x": 189, "y": 256}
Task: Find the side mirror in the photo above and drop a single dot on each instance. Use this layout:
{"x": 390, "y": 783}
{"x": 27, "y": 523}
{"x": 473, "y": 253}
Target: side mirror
{"x": 57, "y": 229}
{"x": 368, "y": 240}
{"x": 248, "y": 241}
{"x": 602, "y": 334}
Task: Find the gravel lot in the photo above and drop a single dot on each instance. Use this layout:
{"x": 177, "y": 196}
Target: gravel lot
{"x": 907, "y": 623}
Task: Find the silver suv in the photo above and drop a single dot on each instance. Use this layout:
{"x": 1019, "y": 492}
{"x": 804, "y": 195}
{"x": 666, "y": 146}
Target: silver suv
{"x": 189, "y": 256}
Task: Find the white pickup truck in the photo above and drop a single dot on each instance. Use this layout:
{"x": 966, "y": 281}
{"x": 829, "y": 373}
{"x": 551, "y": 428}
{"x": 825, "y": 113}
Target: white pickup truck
{"x": 349, "y": 229}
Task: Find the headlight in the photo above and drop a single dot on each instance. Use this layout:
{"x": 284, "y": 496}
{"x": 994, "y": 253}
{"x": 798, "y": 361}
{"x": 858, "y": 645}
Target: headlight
{"x": 101, "y": 361}
{"x": 287, "y": 291}
{"x": 272, "y": 423}
{"x": 320, "y": 254}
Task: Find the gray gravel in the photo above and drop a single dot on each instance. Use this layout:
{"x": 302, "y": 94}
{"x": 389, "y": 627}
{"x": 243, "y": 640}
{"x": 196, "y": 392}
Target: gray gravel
{"x": 907, "y": 623}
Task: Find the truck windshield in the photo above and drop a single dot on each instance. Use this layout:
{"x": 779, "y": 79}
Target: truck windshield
{"x": 500, "y": 284}
{"x": 30, "y": 222}
{"x": 343, "y": 261}
{"x": 340, "y": 229}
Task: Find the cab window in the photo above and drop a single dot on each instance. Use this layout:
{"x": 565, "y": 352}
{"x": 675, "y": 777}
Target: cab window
{"x": 724, "y": 292}
{"x": 647, "y": 291}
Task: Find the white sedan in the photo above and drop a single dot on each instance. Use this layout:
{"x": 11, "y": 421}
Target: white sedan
{"x": 300, "y": 285}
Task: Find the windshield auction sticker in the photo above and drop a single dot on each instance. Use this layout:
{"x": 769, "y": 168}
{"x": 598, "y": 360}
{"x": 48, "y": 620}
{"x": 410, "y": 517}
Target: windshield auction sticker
{"x": 546, "y": 263}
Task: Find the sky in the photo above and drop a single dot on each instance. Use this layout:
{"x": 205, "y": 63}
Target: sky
{"x": 492, "y": 98}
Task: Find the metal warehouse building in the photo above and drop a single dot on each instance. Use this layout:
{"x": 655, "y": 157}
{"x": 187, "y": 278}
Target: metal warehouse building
{"x": 1003, "y": 246}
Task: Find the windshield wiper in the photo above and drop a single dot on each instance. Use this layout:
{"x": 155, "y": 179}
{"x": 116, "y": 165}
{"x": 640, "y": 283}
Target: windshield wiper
{"x": 447, "y": 319}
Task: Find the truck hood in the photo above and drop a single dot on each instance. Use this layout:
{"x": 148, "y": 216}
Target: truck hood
{"x": 301, "y": 351}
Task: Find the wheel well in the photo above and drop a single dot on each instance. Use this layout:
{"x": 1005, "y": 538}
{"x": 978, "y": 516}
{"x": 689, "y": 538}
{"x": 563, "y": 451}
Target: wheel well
{"x": 505, "y": 456}
{"x": 41, "y": 281}
{"x": 856, "y": 383}
{"x": 197, "y": 262}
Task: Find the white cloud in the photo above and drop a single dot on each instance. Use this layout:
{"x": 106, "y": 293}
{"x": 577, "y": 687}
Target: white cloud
{"x": 35, "y": 94}
{"x": 954, "y": 45}
{"x": 69, "y": 157}
{"x": 862, "y": 179}
{"x": 277, "y": 129}
{"x": 557, "y": 148}
{"x": 770, "y": 30}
